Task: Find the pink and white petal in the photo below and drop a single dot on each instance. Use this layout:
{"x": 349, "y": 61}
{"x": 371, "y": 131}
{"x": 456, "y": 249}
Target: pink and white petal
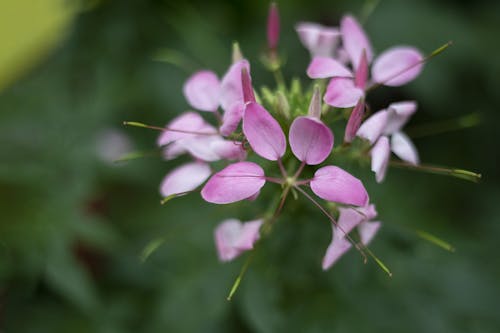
{"x": 231, "y": 118}
{"x": 254, "y": 196}
{"x": 367, "y": 231}
{"x": 337, "y": 248}
{"x": 374, "y": 126}
{"x": 226, "y": 235}
{"x": 233, "y": 237}
{"x": 361, "y": 76}
{"x": 185, "y": 178}
{"x": 368, "y": 211}
{"x": 311, "y": 140}
{"x": 236, "y": 182}
{"x": 402, "y": 146}
{"x": 399, "y": 114}
{"x": 173, "y": 150}
{"x": 318, "y": 39}
{"x": 199, "y": 147}
{"x": 231, "y": 88}
{"x": 380, "y": 153}
{"x": 249, "y": 235}
{"x": 354, "y": 121}
{"x": 315, "y": 105}
{"x": 355, "y": 40}
{"x": 182, "y": 126}
{"x": 323, "y": 67}
{"x": 228, "y": 150}
{"x": 334, "y": 184}
{"x": 397, "y": 66}
{"x": 263, "y": 132}
{"x": 348, "y": 219}
{"x": 202, "y": 91}
{"x": 342, "y": 93}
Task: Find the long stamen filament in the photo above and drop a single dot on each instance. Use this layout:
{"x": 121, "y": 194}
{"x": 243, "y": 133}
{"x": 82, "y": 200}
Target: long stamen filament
{"x": 164, "y": 129}
{"x": 243, "y": 270}
{"x": 335, "y": 223}
{"x": 458, "y": 173}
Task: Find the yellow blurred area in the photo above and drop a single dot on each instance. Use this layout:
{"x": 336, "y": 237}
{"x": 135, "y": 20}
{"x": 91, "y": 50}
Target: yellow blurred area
{"x": 29, "y": 29}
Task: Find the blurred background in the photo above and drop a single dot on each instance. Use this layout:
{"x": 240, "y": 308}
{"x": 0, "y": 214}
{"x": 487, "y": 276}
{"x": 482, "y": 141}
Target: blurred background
{"x": 73, "y": 224}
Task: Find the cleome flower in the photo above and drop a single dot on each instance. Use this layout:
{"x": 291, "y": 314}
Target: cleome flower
{"x": 394, "y": 67}
{"x": 311, "y": 142}
{"x": 383, "y": 131}
{"x": 350, "y": 218}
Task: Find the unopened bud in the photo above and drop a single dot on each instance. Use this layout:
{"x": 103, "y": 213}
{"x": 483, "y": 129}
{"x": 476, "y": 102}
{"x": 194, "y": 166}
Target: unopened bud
{"x": 273, "y": 27}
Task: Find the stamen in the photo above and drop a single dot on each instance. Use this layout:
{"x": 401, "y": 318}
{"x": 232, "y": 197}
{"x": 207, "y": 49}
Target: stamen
{"x": 151, "y": 247}
{"x": 172, "y": 196}
{"x": 457, "y": 173}
{"x": 136, "y": 155}
{"x": 435, "y": 240}
{"x": 378, "y": 261}
{"x": 243, "y": 270}
{"x": 444, "y": 126}
{"x": 335, "y": 223}
{"x": 164, "y": 129}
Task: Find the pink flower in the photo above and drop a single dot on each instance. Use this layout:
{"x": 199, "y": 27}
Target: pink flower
{"x": 394, "y": 67}
{"x": 349, "y": 219}
{"x": 232, "y": 237}
{"x": 311, "y": 142}
{"x": 384, "y": 125}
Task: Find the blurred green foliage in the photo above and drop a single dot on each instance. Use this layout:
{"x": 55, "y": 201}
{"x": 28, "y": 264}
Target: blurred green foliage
{"x": 73, "y": 226}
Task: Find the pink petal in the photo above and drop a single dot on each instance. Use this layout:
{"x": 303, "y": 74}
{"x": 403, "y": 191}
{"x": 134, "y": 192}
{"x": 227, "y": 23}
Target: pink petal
{"x": 368, "y": 211}
{"x": 236, "y": 182}
{"x": 263, "y": 132}
{"x": 337, "y": 248}
{"x": 321, "y": 68}
{"x": 233, "y": 237}
{"x": 254, "y": 196}
{"x": 318, "y": 39}
{"x": 342, "y": 93}
{"x": 246, "y": 86}
{"x": 199, "y": 147}
{"x": 334, "y": 184}
{"x": 228, "y": 150}
{"x": 185, "y": 123}
{"x": 373, "y": 127}
{"x": 361, "y": 76}
{"x": 367, "y": 231}
{"x": 202, "y": 91}
{"x": 231, "y": 118}
{"x": 354, "y": 121}
{"x": 315, "y": 105}
{"x": 348, "y": 219}
{"x": 311, "y": 140}
{"x": 355, "y": 40}
{"x": 380, "y": 154}
{"x": 402, "y": 146}
{"x": 399, "y": 114}
{"x": 185, "y": 178}
{"x": 397, "y": 66}
{"x": 273, "y": 27}
{"x": 173, "y": 150}
{"x": 231, "y": 89}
